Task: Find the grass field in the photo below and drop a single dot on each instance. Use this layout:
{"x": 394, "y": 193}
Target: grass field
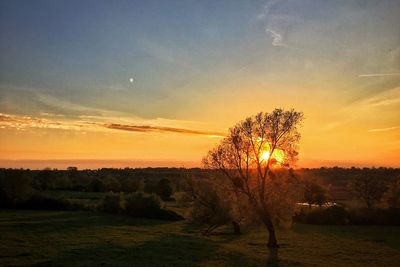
{"x": 56, "y": 238}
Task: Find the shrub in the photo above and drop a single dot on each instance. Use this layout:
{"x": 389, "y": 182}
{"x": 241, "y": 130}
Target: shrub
{"x": 141, "y": 205}
{"x": 40, "y": 202}
{"x": 338, "y": 215}
{"x": 112, "y": 203}
{"x": 334, "y": 215}
{"x": 148, "y": 206}
{"x": 375, "y": 216}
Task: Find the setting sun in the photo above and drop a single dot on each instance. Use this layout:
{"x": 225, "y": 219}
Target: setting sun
{"x": 264, "y": 155}
{"x": 278, "y": 155}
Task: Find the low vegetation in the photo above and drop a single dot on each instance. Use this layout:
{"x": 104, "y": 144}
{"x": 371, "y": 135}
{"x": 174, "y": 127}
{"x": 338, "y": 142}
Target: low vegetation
{"x": 49, "y": 221}
{"x": 79, "y": 238}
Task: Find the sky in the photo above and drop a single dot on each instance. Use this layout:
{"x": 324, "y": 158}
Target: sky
{"x": 158, "y": 83}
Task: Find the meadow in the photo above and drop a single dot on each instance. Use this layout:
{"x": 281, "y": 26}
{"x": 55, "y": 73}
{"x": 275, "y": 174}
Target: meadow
{"x": 50, "y": 224}
{"x": 81, "y": 238}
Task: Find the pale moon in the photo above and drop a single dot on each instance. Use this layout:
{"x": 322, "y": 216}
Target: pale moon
{"x": 131, "y": 80}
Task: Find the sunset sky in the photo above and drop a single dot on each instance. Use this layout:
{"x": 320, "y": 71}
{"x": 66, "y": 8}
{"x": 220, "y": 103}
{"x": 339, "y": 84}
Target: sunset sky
{"x": 158, "y": 83}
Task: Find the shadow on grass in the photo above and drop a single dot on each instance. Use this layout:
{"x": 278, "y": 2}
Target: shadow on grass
{"x": 378, "y": 234}
{"x": 173, "y": 250}
{"x": 56, "y": 221}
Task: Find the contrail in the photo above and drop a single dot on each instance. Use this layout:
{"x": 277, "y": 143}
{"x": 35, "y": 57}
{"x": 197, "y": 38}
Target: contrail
{"x": 378, "y": 74}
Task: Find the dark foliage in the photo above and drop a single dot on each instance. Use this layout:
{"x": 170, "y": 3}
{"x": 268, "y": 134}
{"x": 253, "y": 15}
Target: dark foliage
{"x": 164, "y": 189}
{"x": 148, "y": 206}
{"x": 336, "y": 215}
{"x": 112, "y": 203}
{"x": 333, "y": 216}
{"x": 40, "y": 202}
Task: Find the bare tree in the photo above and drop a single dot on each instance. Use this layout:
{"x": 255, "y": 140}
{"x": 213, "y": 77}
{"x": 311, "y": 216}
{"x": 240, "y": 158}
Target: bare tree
{"x": 250, "y": 152}
{"x": 392, "y": 196}
{"x": 369, "y": 188}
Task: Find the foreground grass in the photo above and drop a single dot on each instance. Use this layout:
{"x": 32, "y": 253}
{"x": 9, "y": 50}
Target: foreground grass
{"x": 55, "y": 238}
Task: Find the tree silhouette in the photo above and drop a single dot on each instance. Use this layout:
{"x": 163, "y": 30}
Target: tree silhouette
{"x": 369, "y": 187}
{"x": 250, "y": 152}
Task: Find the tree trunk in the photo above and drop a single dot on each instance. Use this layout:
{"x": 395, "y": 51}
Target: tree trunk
{"x": 236, "y": 228}
{"x": 272, "y": 242}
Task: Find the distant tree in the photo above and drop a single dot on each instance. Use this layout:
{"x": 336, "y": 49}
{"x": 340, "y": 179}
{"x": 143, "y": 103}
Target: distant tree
{"x": 62, "y": 182}
{"x": 369, "y": 187}
{"x": 164, "y": 189}
{"x": 80, "y": 180}
{"x": 72, "y": 169}
{"x": 131, "y": 185}
{"x": 314, "y": 193}
{"x": 248, "y": 154}
{"x": 392, "y": 196}
{"x": 96, "y": 185}
{"x": 112, "y": 184}
{"x": 45, "y": 179}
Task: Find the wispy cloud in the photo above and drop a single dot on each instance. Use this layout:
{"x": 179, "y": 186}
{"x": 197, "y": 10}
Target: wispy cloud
{"x": 379, "y": 74}
{"x": 147, "y": 128}
{"x": 276, "y": 37}
{"x": 264, "y": 12}
{"x": 384, "y": 129}
{"x": 385, "y": 98}
{"x": 24, "y": 122}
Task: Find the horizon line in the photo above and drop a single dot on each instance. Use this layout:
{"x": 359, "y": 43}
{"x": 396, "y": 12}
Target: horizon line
{"x": 60, "y": 164}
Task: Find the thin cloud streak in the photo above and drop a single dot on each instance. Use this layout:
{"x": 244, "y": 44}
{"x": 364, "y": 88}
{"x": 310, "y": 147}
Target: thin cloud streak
{"x": 384, "y": 129}
{"x": 147, "y": 128}
{"x": 23, "y": 122}
{"x": 379, "y": 74}
{"x": 276, "y": 37}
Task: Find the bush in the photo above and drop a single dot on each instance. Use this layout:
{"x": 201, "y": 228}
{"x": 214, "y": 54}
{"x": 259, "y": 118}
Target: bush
{"x": 113, "y": 203}
{"x": 375, "y": 216}
{"x": 141, "y": 205}
{"x": 334, "y": 215}
{"x": 148, "y": 206}
{"x": 40, "y": 202}
{"x": 338, "y": 216}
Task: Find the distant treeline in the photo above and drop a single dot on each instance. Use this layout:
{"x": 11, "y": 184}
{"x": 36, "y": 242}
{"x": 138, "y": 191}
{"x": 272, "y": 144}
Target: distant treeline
{"x": 334, "y": 182}
{"x": 104, "y": 179}
{"x": 100, "y": 180}
{"x": 329, "y": 194}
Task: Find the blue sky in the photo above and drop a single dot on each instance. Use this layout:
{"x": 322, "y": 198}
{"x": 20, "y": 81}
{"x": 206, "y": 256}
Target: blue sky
{"x": 209, "y": 63}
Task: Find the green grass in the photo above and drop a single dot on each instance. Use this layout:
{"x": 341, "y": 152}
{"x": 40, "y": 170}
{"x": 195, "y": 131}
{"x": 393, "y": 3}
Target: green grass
{"x": 56, "y": 238}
